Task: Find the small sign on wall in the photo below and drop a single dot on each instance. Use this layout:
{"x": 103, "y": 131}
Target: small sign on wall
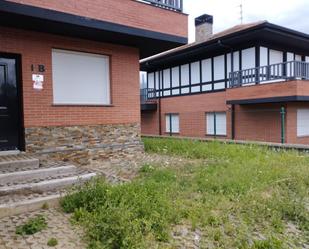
{"x": 38, "y": 80}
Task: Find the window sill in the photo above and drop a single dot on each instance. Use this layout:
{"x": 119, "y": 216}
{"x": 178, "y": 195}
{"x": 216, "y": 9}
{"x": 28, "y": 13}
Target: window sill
{"x": 174, "y": 133}
{"x": 303, "y": 136}
{"x": 212, "y": 135}
{"x": 81, "y": 105}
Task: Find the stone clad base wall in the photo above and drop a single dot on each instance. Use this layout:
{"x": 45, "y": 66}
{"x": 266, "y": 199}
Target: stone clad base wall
{"x": 84, "y": 144}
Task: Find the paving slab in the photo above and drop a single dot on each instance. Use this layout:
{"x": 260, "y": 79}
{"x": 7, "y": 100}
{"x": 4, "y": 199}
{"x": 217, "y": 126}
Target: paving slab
{"x": 59, "y": 227}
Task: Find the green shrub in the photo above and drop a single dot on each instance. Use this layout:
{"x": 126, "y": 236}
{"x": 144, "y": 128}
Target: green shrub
{"x": 52, "y": 242}
{"x": 45, "y": 206}
{"x": 121, "y": 216}
{"x": 32, "y": 226}
{"x": 88, "y": 196}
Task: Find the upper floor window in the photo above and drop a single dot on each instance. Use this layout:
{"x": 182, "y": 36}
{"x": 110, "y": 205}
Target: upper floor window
{"x": 80, "y": 78}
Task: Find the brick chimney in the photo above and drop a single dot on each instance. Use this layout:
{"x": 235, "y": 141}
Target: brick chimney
{"x": 203, "y": 27}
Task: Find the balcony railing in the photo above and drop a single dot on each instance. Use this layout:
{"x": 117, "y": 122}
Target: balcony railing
{"x": 291, "y": 70}
{"x": 148, "y": 95}
{"x": 175, "y": 5}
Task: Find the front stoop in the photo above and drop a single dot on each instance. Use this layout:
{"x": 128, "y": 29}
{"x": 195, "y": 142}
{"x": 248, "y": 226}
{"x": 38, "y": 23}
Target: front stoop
{"x": 25, "y": 184}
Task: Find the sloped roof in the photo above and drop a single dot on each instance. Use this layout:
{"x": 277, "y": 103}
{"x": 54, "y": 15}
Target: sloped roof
{"x": 226, "y": 32}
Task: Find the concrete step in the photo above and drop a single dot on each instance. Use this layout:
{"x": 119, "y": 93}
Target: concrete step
{"x": 11, "y": 163}
{"x": 40, "y": 173}
{"x": 28, "y": 203}
{"x": 46, "y": 185}
{"x": 25, "y": 184}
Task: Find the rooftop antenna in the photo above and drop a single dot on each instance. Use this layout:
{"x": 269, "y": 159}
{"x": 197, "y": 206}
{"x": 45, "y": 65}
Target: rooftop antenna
{"x": 241, "y": 13}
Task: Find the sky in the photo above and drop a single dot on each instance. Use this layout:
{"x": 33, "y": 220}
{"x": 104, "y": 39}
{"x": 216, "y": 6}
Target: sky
{"x": 292, "y": 14}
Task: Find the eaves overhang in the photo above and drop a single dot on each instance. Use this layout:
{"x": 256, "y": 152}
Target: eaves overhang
{"x": 264, "y": 32}
{"x": 55, "y": 22}
{"x": 281, "y": 99}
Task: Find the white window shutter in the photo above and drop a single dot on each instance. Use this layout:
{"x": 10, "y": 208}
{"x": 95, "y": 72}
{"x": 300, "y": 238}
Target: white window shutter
{"x": 195, "y": 72}
{"x": 175, "y": 123}
{"x": 220, "y": 123}
{"x": 80, "y": 78}
{"x": 219, "y": 67}
{"x": 166, "y": 79}
{"x": 175, "y": 77}
{"x": 302, "y": 122}
{"x": 206, "y": 70}
{"x": 167, "y": 123}
{"x": 185, "y": 75}
{"x": 151, "y": 83}
{"x": 248, "y": 58}
{"x": 210, "y": 124}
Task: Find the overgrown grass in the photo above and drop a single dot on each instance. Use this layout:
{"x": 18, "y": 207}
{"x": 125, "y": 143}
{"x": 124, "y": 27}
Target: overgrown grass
{"x": 244, "y": 197}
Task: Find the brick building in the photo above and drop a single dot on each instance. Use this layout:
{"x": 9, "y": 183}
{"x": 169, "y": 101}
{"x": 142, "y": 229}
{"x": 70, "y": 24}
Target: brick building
{"x": 69, "y": 71}
{"x": 249, "y": 82}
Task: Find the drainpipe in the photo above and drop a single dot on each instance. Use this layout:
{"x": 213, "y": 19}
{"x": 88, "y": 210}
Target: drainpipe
{"x": 160, "y": 126}
{"x": 233, "y": 122}
{"x": 282, "y": 112}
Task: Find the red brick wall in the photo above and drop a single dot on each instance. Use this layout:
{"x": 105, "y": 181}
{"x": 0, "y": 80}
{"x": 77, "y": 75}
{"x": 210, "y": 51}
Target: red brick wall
{"x": 279, "y": 89}
{"x": 191, "y": 111}
{"x": 35, "y": 48}
{"x": 260, "y": 122}
{"x": 126, "y": 12}
{"x": 150, "y": 121}
{"x": 252, "y": 122}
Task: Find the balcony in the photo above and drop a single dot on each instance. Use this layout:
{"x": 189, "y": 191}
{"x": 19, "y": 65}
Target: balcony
{"x": 280, "y": 82}
{"x": 175, "y": 5}
{"x": 148, "y": 99}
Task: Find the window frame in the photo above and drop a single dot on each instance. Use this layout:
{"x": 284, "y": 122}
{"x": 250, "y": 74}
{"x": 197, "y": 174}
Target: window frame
{"x": 169, "y": 129}
{"x": 109, "y": 103}
{"x": 306, "y": 134}
{"x": 215, "y": 123}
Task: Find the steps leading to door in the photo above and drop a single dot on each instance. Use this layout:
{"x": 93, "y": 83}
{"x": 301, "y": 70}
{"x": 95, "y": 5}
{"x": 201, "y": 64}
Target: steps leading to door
{"x": 11, "y": 163}
{"x": 25, "y": 184}
{"x": 40, "y": 173}
{"x": 46, "y": 185}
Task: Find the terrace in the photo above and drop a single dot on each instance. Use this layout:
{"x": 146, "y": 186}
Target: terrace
{"x": 175, "y": 5}
{"x": 148, "y": 99}
{"x": 274, "y": 83}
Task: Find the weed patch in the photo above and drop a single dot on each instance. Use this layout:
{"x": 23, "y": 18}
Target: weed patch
{"x": 52, "y": 242}
{"x": 32, "y": 226}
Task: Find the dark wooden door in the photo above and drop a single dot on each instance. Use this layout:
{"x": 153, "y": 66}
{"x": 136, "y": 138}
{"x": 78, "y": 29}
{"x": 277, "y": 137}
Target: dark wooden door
{"x": 9, "y": 105}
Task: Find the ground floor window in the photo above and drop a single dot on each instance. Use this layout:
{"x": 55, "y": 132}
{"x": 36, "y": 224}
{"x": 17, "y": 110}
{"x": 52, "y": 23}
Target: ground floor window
{"x": 172, "y": 123}
{"x": 302, "y": 122}
{"x": 216, "y": 123}
{"x": 80, "y": 78}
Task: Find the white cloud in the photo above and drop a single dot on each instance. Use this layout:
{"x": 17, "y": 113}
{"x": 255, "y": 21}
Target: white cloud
{"x": 289, "y": 13}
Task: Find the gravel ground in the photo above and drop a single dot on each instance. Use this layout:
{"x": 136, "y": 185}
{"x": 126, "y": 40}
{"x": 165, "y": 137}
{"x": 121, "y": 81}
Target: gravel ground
{"x": 125, "y": 169}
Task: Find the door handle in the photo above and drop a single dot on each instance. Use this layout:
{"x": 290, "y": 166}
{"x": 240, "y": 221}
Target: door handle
{"x": 3, "y": 108}
{"x": 3, "y": 141}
